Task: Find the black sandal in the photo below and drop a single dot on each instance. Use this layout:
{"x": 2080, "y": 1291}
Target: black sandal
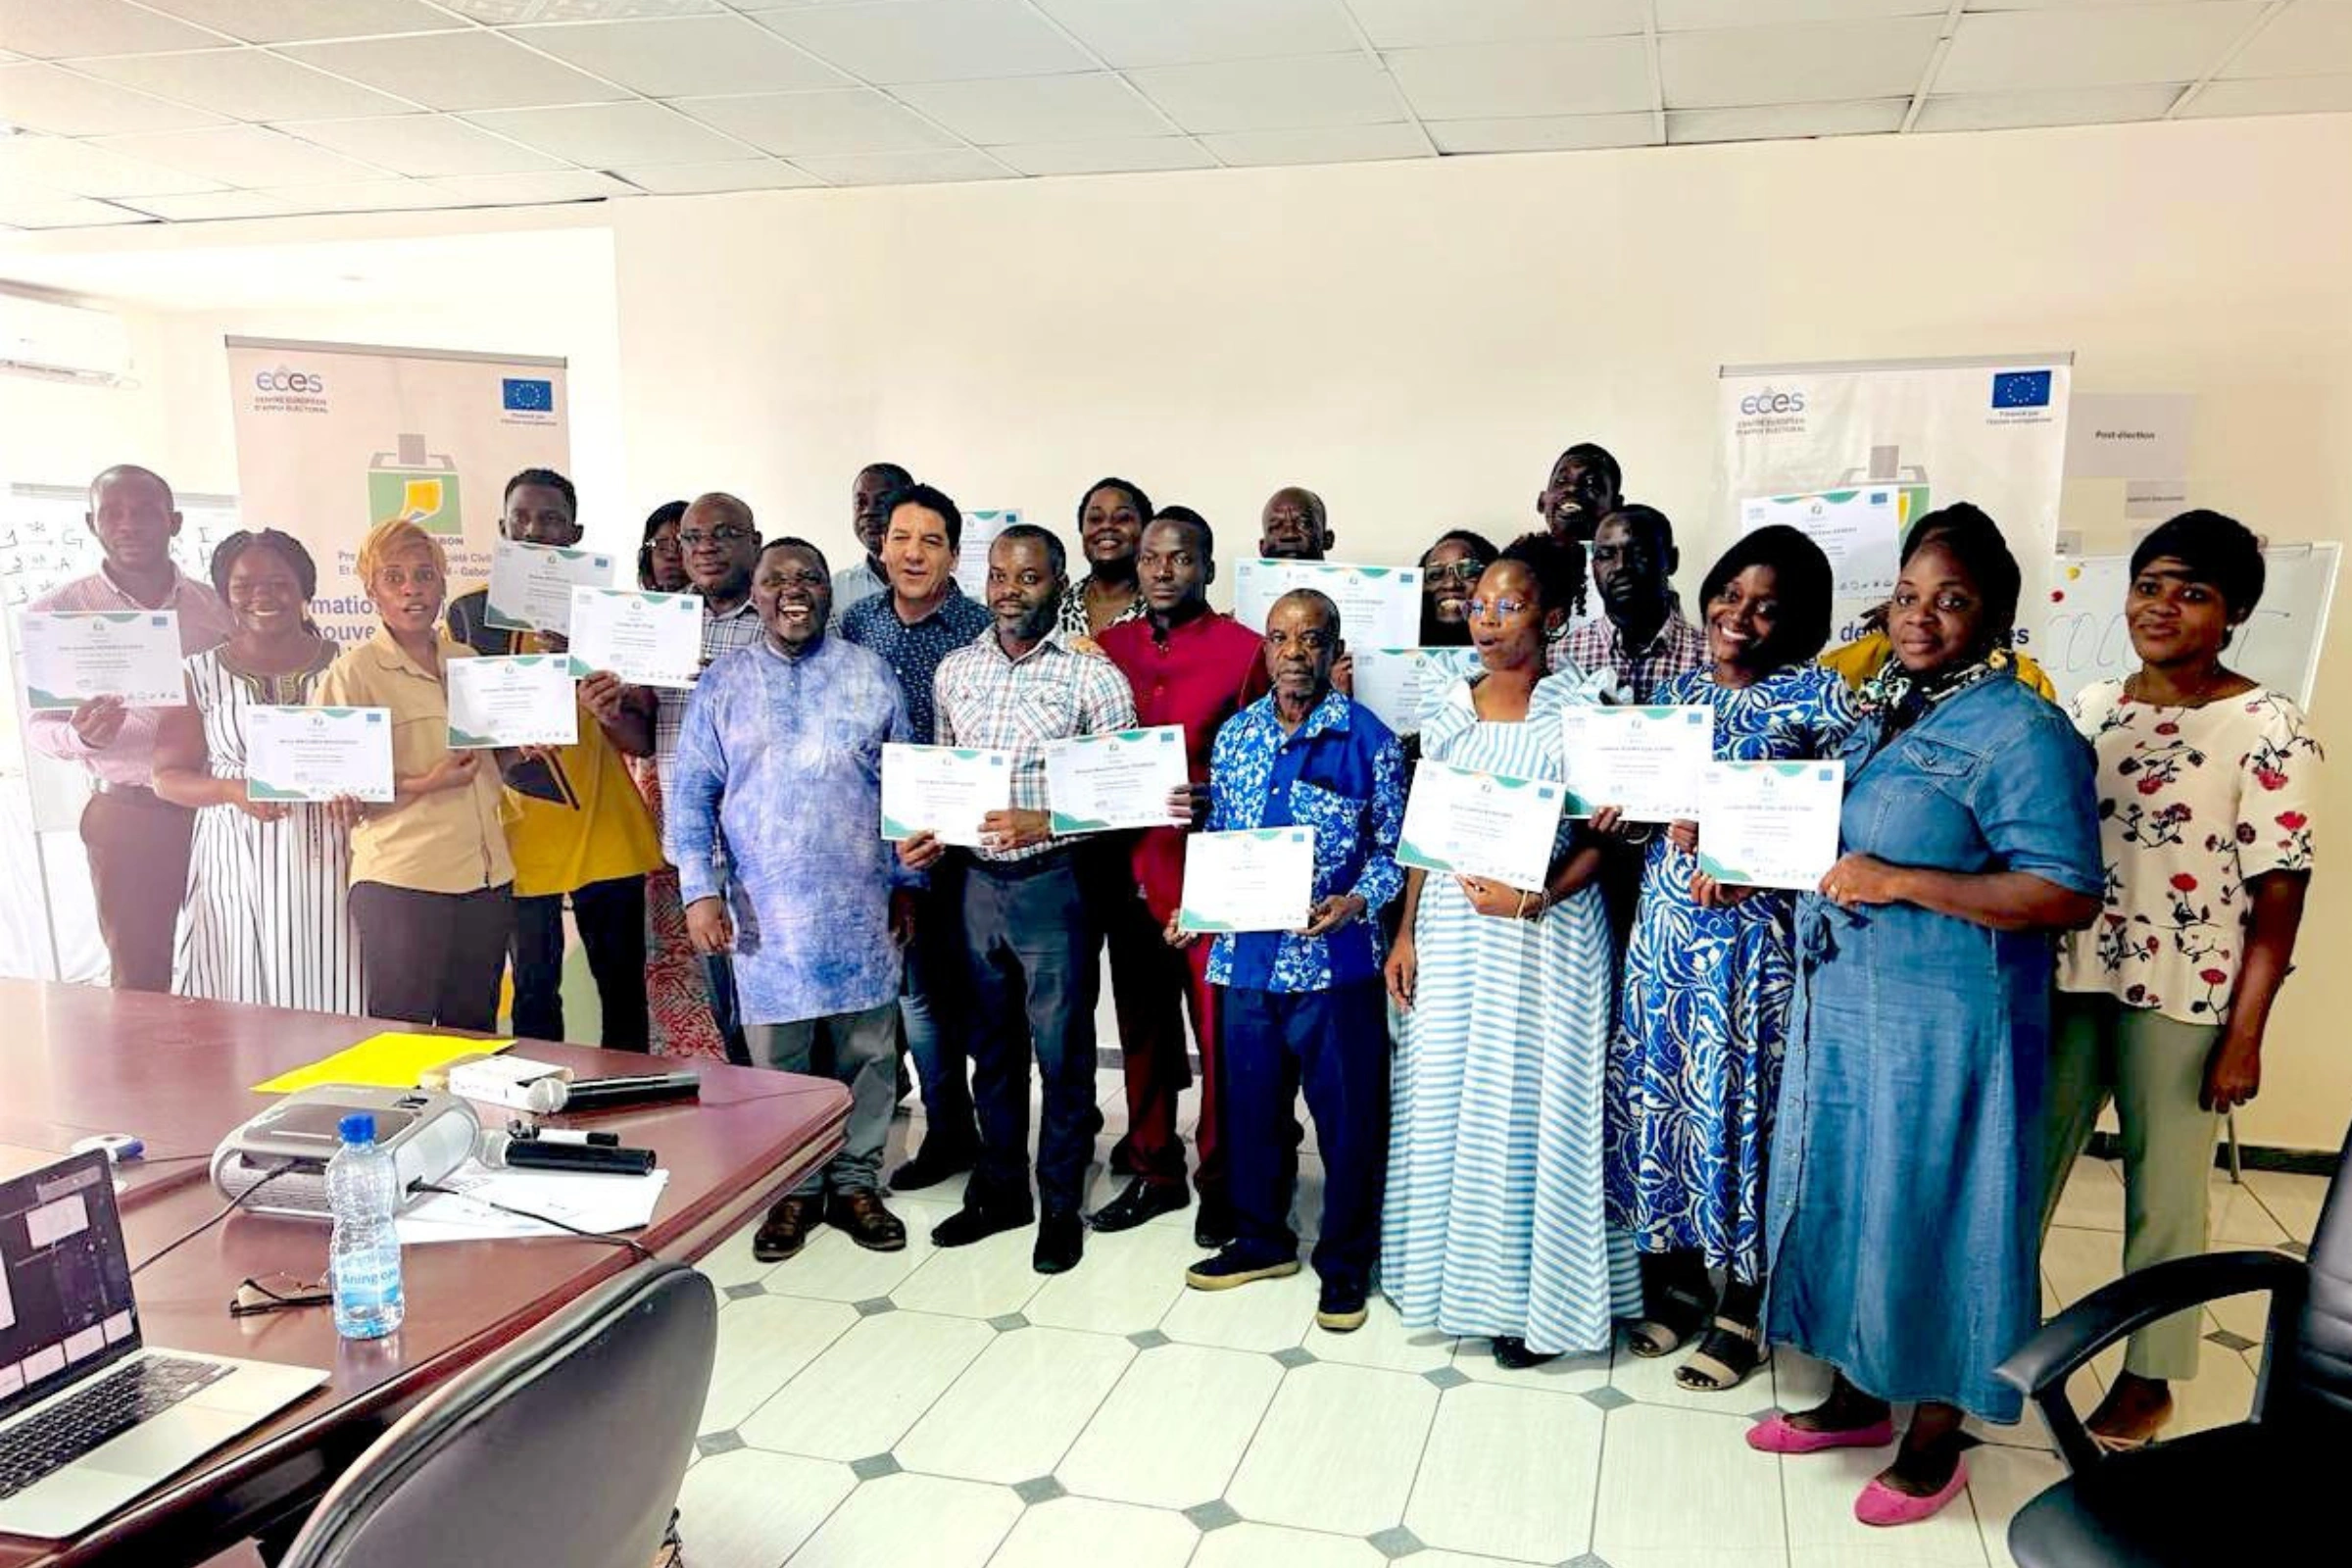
{"x": 1664, "y": 1333}
{"x": 1727, "y": 1355}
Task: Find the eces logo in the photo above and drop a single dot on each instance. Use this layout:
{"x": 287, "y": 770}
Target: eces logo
{"x": 283, "y": 389}
{"x": 1770, "y": 410}
{"x": 1768, "y": 401}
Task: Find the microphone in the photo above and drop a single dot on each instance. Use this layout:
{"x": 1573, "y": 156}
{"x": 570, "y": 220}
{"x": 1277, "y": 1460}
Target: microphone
{"x": 547, "y": 1096}
{"x": 501, "y": 1151}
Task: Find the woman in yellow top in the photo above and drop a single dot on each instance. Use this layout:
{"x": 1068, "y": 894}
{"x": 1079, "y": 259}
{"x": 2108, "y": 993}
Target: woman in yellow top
{"x": 1863, "y": 658}
{"x": 432, "y": 886}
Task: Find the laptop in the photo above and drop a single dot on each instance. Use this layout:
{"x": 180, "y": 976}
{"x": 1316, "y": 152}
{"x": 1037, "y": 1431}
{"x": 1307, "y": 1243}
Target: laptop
{"x": 90, "y": 1415}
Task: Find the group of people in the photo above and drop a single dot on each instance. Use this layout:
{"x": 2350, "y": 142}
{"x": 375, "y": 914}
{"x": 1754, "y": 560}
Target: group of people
{"x": 1724, "y": 1117}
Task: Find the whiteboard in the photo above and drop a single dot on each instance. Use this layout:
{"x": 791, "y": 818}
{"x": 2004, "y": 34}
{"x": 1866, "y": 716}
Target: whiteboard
{"x": 2086, "y": 640}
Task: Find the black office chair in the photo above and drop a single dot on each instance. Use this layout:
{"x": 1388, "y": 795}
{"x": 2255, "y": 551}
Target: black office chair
{"x": 565, "y": 1447}
{"x": 2258, "y": 1493}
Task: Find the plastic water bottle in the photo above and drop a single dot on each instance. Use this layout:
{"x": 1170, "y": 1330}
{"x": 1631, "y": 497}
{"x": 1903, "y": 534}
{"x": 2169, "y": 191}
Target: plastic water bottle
{"x": 363, "y": 1255}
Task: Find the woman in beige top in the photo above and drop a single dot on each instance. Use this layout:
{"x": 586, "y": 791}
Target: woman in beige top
{"x": 431, "y": 883}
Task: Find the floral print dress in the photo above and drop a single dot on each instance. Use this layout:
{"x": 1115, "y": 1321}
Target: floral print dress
{"x": 2194, "y": 803}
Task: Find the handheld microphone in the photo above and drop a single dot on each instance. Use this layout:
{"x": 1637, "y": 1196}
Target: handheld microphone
{"x": 548, "y": 1095}
{"x": 499, "y": 1152}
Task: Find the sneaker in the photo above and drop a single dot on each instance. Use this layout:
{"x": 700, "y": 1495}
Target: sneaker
{"x": 1341, "y": 1307}
{"x": 1234, "y": 1266}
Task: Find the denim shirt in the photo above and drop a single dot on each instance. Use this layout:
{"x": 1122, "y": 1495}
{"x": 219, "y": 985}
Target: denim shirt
{"x": 1342, "y": 773}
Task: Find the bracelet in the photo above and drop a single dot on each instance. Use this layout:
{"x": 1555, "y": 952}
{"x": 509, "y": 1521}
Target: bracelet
{"x": 1522, "y": 907}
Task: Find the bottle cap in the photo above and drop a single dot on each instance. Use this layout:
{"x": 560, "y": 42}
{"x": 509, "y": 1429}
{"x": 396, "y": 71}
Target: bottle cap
{"x": 359, "y": 1127}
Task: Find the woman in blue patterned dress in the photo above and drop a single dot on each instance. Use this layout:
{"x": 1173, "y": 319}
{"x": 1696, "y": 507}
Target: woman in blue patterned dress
{"x": 1495, "y": 1222}
{"x": 1708, "y": 976}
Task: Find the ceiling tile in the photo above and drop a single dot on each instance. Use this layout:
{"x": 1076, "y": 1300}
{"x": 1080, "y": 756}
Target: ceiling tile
{"x": 698, "y": 55}
{"x": 1295, "y": 93}
{"x": 1468, "y": 82}
{"x": 905, "y": 168}
{"x": 2309, "y": 38}
{"x": 1178, "y": 32}
{"x": 2080, "y": 106}
{"x": 288, "y": 20}
{"x": 244, "y": 84}
{"x": 1037, "y": 108}
{"x": 1543, "y": 133}
{"x": 931, "y": 41}
{"x": 457, "y": 71}
{"x": 422, "y": 145}
{"x": 69, "y": 29}
{"x": 1427, "y": 24}
{"x": 85, "y": 168}
{"x": 1778, "y": 120}
{"x": 2091, "y": 47}
{"x": 698, "y": 180}
{"x": 41, "y": 97}
{"x": 510, "y": 13}
{"x": 210, "y": 205}
{"x": 530, "y": 190}
{"x": 2297, "y": 95}
{"x": 1136, "y": 155}
{"x": 360, "y": 196}
{"x": 1685, "y": 16}
{"x": 856, "y": 121}
{"x": 66, "y": 211}
{"x": 243, "y": 155}
{"x": 1817, "y": 62}
{"x": 1343, "y": 144}
{"x": 601, "y": 135}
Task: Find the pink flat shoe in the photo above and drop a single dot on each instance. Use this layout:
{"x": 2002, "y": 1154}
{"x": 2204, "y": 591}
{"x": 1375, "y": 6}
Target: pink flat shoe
{"x": 1775, "y": 1435}
{"x": 1880, "y": 1505}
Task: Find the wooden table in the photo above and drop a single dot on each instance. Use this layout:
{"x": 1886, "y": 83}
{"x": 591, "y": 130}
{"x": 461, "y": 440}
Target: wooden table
{"x": 77, "y": 1059}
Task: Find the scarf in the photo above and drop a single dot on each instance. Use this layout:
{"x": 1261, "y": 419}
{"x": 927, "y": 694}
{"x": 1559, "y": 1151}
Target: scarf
{"x": 1905, "y": 697}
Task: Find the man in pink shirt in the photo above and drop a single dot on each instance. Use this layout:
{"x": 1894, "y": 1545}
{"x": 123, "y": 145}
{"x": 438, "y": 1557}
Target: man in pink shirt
{"x": 1195, "y": 667}
{"x": 138, "y": 843}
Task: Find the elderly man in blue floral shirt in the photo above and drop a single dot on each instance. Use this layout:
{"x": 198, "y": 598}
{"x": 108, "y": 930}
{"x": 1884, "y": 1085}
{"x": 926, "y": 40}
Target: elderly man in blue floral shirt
{"x": 780, "y": 757}
{"x": 1306, "y": 1007}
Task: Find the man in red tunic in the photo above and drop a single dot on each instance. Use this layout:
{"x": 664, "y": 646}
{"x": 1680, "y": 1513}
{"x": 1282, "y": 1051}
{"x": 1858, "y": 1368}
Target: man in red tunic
{"x": 1195, "y": 667}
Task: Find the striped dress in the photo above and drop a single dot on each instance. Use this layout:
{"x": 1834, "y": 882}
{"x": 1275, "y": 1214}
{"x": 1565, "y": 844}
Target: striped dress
{"x": 1495, "y": 1222}
{"x": 265, "y": 919}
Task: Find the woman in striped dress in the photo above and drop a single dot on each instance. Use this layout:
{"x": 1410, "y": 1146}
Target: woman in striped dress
{"x": 1495, "y": 1222}
{"x": 265, "y": 919}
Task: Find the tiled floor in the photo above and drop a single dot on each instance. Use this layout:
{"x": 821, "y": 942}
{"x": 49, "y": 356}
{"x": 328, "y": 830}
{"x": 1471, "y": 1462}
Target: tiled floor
{"x": 954, "y": 1409}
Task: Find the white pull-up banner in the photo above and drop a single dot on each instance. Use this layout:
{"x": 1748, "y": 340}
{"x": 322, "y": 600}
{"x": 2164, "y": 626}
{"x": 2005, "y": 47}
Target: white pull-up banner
{"x": 333, "y": 438}
{"x": 1843, "y": 442}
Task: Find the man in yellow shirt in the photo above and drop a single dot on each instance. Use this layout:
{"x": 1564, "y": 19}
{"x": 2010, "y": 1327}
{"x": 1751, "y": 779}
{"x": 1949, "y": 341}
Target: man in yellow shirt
{"x": 576, "y": 825}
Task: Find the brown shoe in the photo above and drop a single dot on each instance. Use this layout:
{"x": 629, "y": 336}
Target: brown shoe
{"x": 786, "y": 1228}
{"x": 869, "y": 1224}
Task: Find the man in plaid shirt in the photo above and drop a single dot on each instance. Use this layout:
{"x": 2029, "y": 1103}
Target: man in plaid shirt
{"x": 1031, "y": 941}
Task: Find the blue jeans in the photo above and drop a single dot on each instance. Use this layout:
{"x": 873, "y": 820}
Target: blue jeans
{"x": 935, "y": 1006}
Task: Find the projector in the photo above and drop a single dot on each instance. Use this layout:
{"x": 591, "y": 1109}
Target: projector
{"x": 428, "y": 1134}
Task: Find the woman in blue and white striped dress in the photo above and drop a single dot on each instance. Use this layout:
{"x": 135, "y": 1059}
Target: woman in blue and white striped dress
{"x": 1495, "y": 1223}
{"x": 265, "y": 919}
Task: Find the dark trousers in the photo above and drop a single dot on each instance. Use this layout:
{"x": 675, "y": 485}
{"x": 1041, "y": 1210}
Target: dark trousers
{"x": 433, "y": 957}
{"x": 1154, "y": 987}
{"x": 1336, "y": 1044}
{"x": 139, "y": 853}
{"x": 719, "y": 979}
{"x": 935, "y": 1007}
{"x": 1035, "y": 979}
{"x": 610, "y": 916}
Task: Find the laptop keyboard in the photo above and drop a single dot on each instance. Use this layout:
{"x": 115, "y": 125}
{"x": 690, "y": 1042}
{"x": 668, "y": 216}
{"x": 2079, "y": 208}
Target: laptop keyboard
{"x": 105, "y": 1409}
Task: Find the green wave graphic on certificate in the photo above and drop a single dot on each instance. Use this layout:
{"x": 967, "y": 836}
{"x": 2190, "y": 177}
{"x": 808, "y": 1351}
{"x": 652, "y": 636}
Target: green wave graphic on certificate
{"x": 1780, "y": 819}
{"x": 323, "y": 752}
{"x": 1114, "y": 779}
{"x": 75, "y": 644}
{"x": 942, "y": 789}
{"x": 1247, "y": 879}
{"x": 1473, "y": 823}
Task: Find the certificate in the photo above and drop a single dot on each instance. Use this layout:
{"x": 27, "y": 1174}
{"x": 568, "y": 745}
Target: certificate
{"x": 316, "y": 753}
{"x": 1403, "y": 686}
{"x": 1855, "y": 529}
{"x": 942, "y": 789}
{"x": 1481, "y": 824}
{"x": 980, "y": 531}
{"x": 1116, "y": 779}
{"x": 1770, "y": 824}
{"x": 71, "y": 656}
{"x": 1258, "y": 879}
{"x": 1380, "y": 606}
{"x": 518, "y": 699}
{"x": 530, "y": 585}
{"x": 645, "y": 639}
{"x": 1646, "y": 761}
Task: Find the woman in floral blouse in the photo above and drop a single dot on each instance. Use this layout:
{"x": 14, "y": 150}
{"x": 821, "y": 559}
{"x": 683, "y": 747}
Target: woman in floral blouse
{"x": 2207, "y": 783}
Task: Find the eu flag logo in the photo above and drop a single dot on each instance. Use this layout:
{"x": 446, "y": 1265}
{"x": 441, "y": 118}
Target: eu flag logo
{"x": 2020, "y": 389}
{"x": 539, "y": 397}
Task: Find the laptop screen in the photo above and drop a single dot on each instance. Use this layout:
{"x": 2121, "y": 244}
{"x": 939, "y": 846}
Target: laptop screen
{"x": 66, "y": 1307}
